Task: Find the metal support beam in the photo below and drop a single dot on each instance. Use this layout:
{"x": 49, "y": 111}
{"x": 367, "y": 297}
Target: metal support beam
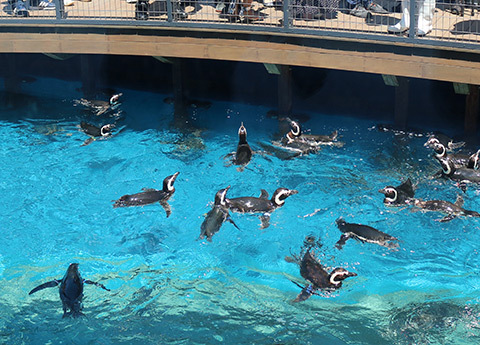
{"x": 284, "y": 91}
{"x": 179, "y": 99}
{"x": 401, "y": 103}
{"x": 471, "y": 110}
{"x": 88, "y": 74}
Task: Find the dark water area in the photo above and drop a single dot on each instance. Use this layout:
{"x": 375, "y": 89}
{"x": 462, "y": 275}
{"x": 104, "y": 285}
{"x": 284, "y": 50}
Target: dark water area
{"x": 433, "y": 104}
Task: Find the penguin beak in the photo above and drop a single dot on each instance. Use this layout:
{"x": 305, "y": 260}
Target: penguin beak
{"x": 292, "y": 192}
{"x": 382, "y": 191}
{"x": 174, "y": 176}
{"x": 351, "y": 274}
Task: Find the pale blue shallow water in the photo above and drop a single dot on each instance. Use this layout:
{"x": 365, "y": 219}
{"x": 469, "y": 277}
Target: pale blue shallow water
{"x": 167, "y": 287}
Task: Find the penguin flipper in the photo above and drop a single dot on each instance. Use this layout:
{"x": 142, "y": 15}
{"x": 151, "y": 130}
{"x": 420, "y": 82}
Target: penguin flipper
{"x": 447, "y": 218}
{"x": 265, "y": 219}
{"x": 88, "y": 141}
{"x": 455, "y": 146}
{"x": 96, "y": 284}
{"x": 166, "y": 207}
{"x": 341, "y": 242}
{"x": 307, "y": 291}
{"x": 49, "y": 284}
{"x": 264, "y": 194}
{"x": 233, "y": 223}
{"x": 459, "y": 201}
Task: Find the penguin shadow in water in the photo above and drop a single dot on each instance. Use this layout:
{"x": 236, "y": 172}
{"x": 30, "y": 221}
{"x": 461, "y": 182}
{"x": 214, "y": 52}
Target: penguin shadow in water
{"x": 70, "y": 289}
{"x": 316, "y": 275}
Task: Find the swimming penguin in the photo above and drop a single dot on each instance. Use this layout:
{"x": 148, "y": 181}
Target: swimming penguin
{"x": 101, "y": 107}
{"x": 95, "y": 132}
{"x": 363, "y": 233}
{"x": 315, "y": 273}
{"x": 250, "y": 204}
{"x": 444, "y": 140}
{"x": 461, "y": 175}
{"x": 451, "y": 210}
{"x": 216, "y": 216}
{"x": 458, "y": 159}
{"x": 71, "y": 290}
{"x": 150, "y": 196}
{"x": 400, "y": 195}
{"x": 244, "y": 153}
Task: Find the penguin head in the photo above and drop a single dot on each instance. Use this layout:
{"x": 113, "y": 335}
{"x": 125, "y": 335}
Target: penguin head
{"x": 338, "y": 275}
{"x": 72, "y": 271}
{"x": 106, "y": 130}
{"x": 474, "y": 161}
{"x": 221, "y": 197}
{"x": 440, "y": 150}
{"x": 115, "y": 99}
{"x": 242, "y": 133}
{"x": 447, "y": 166}
{"x": 340, "y": 222}
{"x": 168, "y": 183}
{"x": 432, "y": 140}
{"x": 295, "y": 129}
{"x": 279, "y": 196}
{"x": 390, "y": 193}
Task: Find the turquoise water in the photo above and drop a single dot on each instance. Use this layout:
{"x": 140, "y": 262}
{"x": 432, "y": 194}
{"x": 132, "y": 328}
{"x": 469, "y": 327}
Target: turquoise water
{"x": 168, "y": 287}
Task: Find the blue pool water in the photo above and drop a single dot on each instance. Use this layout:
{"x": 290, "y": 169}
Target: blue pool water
{"x": 168, "y": 287}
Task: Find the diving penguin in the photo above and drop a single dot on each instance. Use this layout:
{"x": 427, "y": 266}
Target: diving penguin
{"x": 250, "y": 204}
{"x": 451, "y": 210}
{"x": 150, "y": 196}
{"x": 400, "y": 195}
{"x": 71, "y": 290}
{"x": 319, "y": 278}
{"x": 363, "y": 233}
{"x": 216, "y": 216}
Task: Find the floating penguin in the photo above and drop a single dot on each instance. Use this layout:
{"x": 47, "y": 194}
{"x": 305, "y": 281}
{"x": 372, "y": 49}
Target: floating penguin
{"x": 451, "y": 210}
{"x": 150, "y": 196}
{"x": 71, "y": 290}
{"x": 96, "y": 132}
{"x": 363, "y": 233}
{"x": 244, "y": 153}
{"x": 315, "y": 273}
{"x": 460, "y": 175}
{"x": 444, "y": 140}
{"x": 400, "y": 195}
{"x": 250, "y": 204}
{"x": 307, "y": 143}
{"x": 101, "y": 107}
{"x": 458, "y": 159}
{"x": 216, "y": 216}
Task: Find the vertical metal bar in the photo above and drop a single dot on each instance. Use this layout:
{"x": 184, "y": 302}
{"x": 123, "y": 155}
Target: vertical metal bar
{"x": 169, "y": 11}
{"x": 413, "y": 19}
{"x": 286, "y": 14}
{"x": 59, "y": 9}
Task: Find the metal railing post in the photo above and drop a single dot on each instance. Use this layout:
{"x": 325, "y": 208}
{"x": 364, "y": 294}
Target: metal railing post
{"x": 169, "y": 11}
{"x": 59, "y": 9}
{"x": 286, "y": 14}
{"x": 413, "y": 19}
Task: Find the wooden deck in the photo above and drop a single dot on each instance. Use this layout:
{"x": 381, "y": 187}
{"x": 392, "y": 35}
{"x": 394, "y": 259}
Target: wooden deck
{"x": 244, "y": 42}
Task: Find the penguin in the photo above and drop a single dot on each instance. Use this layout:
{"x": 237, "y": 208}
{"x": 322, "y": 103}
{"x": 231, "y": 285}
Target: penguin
{"x": 312, "y": 271}
{"x": 216, "y": 216}
{"x": 461, "y": 175}
{"x": 444, "y": 140}
{"x": 101, "y": 107}
{"x": 400, "y": 195}
{"x": 244, "y": 153}
{"x": 250, "y": 204}
{"x": 95, "y": 132}
{"x": 451, "y": 210}
{"x": 296, "y": 134}
{"x": 150, "y": 196}
{"x": 458, "y": 159}
{"x": 71, "y": 290}
{"x": 363, "y": 233}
